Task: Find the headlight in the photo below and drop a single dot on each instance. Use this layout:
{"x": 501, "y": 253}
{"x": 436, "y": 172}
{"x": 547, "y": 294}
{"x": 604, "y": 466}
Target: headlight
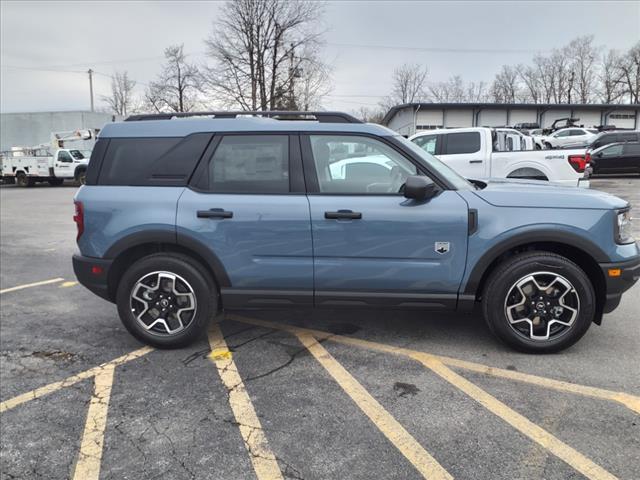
{"x": 624, "y": 232}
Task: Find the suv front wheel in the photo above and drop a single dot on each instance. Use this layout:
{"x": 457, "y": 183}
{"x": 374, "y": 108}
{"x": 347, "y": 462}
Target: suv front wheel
{"x": 166, "y": 300}
{"x": 539, "y": 302}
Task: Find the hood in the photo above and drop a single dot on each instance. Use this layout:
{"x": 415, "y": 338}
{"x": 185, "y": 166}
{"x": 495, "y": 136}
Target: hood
{"x": 503, "y": 192}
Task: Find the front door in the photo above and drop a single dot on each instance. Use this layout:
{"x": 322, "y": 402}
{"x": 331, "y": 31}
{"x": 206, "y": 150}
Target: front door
{"x": 248, "y": 211}
{"x": 63, "y": 164}
{"x": 371, "y": 244}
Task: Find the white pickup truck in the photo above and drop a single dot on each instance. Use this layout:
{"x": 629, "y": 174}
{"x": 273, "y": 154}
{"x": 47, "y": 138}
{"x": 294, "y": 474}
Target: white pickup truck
{"x": 28, "y": 166}
{"x": 481, "y": 152}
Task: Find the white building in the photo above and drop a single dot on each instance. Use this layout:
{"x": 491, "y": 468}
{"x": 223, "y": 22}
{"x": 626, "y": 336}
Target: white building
{"x": 27, "y": 129}
{"x": 408, "y": 118}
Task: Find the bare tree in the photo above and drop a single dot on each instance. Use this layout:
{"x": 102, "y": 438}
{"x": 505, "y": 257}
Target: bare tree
{"x": 530, "y": 77}
{"x": 408, "y": 85}
{"x": 370, "y": 114}
{"x": 611, "y": 84}
{"x": 476, "y": 92}
{"x": 583, "y": 56}
{"x": 121, "y": 99}
{"x": 505, "y": 87}
{"x": 313, "y": 81}
{"x": 261, "y": 49}
{"x": 630, "y": 70}
{"x": 453, "y": 90}
{"x": 178, "y": 85}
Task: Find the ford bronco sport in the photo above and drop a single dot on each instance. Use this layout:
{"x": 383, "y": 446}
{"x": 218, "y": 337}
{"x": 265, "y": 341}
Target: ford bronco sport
{"x": 182, "y": 217}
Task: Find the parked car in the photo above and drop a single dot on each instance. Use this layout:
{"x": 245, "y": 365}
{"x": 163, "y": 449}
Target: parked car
{"x": 569, "y": 138}
{"x": 479, "y": 152}
{"x": 179, "y": 219}
{"x": 526, "y": 126}
{"x": 616, "y": 158}
{"x": 605, "y": 138}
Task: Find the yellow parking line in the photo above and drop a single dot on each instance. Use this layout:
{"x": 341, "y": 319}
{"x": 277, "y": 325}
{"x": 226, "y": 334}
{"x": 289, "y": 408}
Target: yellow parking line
{"x": 67, "y": 382}
{"x": 29, "y": 285}
{"x": 632, "y": 402}
{"x": 436, "y": 364}
{"x": 383, "y": 420}
{"x": 263, "y": 460}
{"x": 90, "y": 456}
{"x": 68, "y": 284}
{"x": 563, "y": 451}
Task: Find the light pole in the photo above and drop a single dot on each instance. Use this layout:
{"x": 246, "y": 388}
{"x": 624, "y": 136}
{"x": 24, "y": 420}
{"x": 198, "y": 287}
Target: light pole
{"x": 90, "y": 72}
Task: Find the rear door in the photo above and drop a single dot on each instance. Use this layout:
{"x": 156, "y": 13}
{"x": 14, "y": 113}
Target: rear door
{"x": 247, "y": 205}
{"x": 465, "y": 153}
{"x": 610, "y": 158}
{"x": 372, "y": 245}
{"x": 631, "y": 160}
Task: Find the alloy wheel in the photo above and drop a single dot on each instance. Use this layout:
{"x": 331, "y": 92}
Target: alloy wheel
{"x": 542, "y": 306}
{"x": 163, "y": 303}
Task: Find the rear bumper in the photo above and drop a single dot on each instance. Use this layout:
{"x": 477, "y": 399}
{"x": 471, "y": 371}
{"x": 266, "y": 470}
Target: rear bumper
{"x": 86, "y": 270}
{"x": 617, "y": 285}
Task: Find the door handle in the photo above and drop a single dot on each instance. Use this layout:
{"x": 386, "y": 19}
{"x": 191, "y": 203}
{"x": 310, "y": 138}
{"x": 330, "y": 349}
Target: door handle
{"x": 343, "y": 215}
{"x": 475, "y": 161}
{"x": 215, "y": 213}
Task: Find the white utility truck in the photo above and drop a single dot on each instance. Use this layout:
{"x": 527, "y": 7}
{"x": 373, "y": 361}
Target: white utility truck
{"x": 52, "y": 163}
{"x": 480, "y": 152}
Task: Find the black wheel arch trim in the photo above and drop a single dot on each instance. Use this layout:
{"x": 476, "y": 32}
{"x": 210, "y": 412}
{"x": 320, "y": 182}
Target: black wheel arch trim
{"x": 172, "y": 238}
{"x": 523, "y": 238}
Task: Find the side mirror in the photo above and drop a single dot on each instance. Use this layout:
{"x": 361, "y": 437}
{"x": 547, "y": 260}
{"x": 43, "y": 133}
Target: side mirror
{"x": 419, "y": 188}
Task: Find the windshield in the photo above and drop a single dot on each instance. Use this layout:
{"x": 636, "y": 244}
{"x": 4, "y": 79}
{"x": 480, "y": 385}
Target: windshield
{"x": 443, "y": 169}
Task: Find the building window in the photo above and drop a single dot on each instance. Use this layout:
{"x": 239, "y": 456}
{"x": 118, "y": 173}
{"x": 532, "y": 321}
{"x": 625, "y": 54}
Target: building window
{"x": 622, "y": 115}
{"x": 428, "y": 127}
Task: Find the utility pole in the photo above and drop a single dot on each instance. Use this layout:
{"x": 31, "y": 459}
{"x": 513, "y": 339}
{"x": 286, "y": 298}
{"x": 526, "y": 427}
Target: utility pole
{"x": 90, "y": 72}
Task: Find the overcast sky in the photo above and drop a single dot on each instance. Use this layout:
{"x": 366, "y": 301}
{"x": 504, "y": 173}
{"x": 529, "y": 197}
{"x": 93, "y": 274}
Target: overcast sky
{"x": 47, "y": 46}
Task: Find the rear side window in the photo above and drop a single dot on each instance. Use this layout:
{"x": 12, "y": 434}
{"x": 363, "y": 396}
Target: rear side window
{"x": 466, "y": 142}
{"x": 632, "y": 149}
{"x": 628, "y": 137}
{"x": 250, "y": 164}
{"x": 152, "y": 161}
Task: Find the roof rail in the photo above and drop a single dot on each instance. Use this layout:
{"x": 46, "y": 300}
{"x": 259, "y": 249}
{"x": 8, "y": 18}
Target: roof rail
{"x": 321, "y": 117}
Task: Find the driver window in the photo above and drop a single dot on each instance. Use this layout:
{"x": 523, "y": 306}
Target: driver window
{"x": 357, "y": 165}
{"x": 64, "y": 157}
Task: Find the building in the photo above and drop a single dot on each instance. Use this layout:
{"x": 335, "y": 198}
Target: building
{"x": 408, "y": 118}
{"x": 28, "y": 129}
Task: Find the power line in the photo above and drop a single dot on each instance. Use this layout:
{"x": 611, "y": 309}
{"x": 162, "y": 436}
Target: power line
{"x": 436, "y": 49}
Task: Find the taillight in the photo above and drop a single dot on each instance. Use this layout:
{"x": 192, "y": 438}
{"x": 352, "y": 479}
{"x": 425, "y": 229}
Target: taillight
{"x": 578, "y": 162}
{"x": 587, "y": 158}
{"x": 79, "y": 218}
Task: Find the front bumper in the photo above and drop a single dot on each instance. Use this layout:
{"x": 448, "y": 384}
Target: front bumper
{"x": 617, "y": 284}
{"x": 93, "y": 273}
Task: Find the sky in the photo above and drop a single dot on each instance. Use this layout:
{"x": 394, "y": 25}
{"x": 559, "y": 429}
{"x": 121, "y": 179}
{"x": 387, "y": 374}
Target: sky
{"x": 47, "y": 46}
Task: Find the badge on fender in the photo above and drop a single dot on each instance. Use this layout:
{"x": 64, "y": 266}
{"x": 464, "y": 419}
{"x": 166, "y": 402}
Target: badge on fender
{"x": 442, "y": 247}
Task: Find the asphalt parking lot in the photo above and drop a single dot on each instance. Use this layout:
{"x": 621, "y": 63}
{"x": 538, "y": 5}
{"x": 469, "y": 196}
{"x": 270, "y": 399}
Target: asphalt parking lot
{"x": 353, "y": 394}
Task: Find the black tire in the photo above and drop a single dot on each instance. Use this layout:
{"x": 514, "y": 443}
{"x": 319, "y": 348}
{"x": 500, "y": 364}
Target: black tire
{"x": 501, "y": 284}
{"x": 196, "y": 279}
{"x": 23, "y": 181}
{"x": 548, "y": 146}
{"x": 55, "y": 182}
{"x": 81, "y": 177}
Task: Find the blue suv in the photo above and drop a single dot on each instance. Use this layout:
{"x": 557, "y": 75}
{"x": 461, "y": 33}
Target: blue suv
{"x": 182, "y": 217}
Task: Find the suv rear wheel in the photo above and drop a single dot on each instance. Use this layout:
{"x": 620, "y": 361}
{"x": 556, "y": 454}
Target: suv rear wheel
{"x": 166, "y": 300}
{"x": 539, "y": 302}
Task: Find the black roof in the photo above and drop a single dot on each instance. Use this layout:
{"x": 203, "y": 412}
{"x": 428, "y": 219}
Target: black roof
{"x": 515, "y": 106}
